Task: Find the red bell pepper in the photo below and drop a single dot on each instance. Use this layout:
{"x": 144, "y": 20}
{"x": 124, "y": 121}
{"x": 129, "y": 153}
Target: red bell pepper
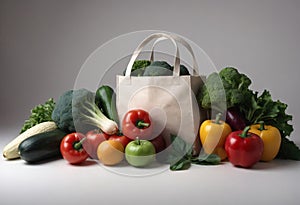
{"x": 71, "y": 148}
{"x": 244, "y": 149}
{"x": 137, "y": 123}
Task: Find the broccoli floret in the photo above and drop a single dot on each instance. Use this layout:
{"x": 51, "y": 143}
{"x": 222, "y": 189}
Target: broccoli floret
{"x": 138, "y": 67}
{"x": 229, "y": 82}
{"x": 140, "y": 64}
{"x": 68, "y": 109}
{"x": 211, "y": 92}
{"x": 233, "y": 79}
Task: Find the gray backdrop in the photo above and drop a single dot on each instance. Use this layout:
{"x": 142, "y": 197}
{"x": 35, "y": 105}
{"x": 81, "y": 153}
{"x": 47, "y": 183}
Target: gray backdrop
{"x": 43, "y": 43}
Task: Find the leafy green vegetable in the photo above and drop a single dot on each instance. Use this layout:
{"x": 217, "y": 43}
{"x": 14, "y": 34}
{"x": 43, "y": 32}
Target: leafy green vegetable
{"x": 183, "y": 70}
{"x": 138, "y": 67}
{"x": 62, "y": 114}
{"x": 181, "y": 153}
{"x": 288, "y": 150}
{"x": 263, "y": 108}
{"x": 68, "y": 110}
{"x": 233, "y": 86}
{"x": 155, "y": 68}
{"x": 40, "y": 113}
{"x": 158, "y": 68}
{"x": 162, "y": 68}
{"x": 162, "y": 64}
{"x": 229, "y": 86}
{"x": 182, "y": 164}
{"x": 205, "y": 159}
{"x": 181, "y": 156}
{"x": 140, "y": 64}
{"x": 92, "y": 115}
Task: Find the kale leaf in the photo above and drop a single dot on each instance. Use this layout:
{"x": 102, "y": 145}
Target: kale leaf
{"x": 181, "y": 156}
{"x": 263, "y": 108}
{"x": 40, "y": 113}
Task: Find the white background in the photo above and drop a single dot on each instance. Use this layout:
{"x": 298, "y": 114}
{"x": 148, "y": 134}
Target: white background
{"x": 43, "y": 45}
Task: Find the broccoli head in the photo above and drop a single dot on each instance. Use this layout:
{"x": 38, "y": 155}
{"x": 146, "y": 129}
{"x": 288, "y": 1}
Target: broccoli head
{"x": 68, "y": 109}
{"x": 229, "y": 86}
{"x": 233, "y": 79}
{"x": 138, "y": 67}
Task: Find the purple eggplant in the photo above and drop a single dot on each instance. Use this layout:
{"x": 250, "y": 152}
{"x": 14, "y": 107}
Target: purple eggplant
{"x": 235, "y": 119}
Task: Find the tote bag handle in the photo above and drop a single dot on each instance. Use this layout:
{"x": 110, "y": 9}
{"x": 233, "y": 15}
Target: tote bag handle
{"x": 138, "y": 50}
{"x": 182, "y": 41}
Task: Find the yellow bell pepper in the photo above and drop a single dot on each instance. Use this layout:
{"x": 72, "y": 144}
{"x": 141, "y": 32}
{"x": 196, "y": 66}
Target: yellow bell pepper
{"x": 213, "y": 134}
{"x": 271, "y": 138}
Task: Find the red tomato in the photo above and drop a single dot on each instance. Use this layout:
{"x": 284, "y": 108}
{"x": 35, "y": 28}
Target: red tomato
{"x": 71, "y": 148}
{"x": 93, "y": 139}
{"x": 123, "y": 139}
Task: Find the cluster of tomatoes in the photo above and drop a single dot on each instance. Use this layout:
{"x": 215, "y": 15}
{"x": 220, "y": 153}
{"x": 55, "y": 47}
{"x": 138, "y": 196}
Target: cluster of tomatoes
{"x": 135, "y": 143}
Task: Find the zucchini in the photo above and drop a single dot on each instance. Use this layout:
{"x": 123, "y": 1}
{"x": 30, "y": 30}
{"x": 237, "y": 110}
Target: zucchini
{"x": 10, "y": 151}
{"x": 106, "y": 101}
{"x": 42, "y": 146}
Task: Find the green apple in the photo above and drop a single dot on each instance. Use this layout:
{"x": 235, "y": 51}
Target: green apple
{"x": 140, "y": 153}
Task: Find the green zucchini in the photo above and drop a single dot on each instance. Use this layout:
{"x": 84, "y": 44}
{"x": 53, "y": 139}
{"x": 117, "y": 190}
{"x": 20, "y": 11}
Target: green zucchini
{"x": 42, "y": 146}
{"x": 106, "y": 101}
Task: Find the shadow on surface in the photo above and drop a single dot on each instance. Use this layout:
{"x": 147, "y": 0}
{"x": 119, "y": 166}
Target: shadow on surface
{"x": 276, "y": 164}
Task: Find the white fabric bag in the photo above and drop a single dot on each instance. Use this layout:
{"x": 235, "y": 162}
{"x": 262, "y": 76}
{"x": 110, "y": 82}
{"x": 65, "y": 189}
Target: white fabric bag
{"x": 170, "y": 100}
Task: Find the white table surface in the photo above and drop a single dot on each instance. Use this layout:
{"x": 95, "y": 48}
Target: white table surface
{"x": 56, "y": 182}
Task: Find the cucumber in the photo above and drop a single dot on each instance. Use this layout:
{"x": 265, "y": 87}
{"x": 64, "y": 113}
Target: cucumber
{"x": 42, "y": 146}
{"x": 106, "y": 101}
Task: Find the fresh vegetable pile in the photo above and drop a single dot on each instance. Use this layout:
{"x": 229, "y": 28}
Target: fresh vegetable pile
{"x": 247, "y": 107}
{"x": 83, "y": 124}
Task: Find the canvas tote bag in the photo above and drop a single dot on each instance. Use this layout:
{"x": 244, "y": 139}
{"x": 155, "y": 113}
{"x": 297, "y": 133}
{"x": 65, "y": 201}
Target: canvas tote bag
{"x": 170, "y": 100}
